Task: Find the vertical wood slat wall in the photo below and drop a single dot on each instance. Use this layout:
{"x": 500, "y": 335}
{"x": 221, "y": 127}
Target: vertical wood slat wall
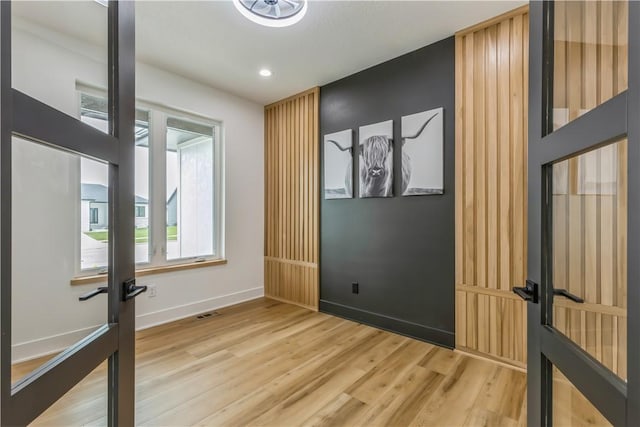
{"x": 491, "y": 184}
{"x": 291, "y": 200}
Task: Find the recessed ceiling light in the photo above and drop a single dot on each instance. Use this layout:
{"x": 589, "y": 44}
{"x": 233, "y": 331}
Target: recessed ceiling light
{"x": 272, "y": 13}
{"x": 265, "y": 72}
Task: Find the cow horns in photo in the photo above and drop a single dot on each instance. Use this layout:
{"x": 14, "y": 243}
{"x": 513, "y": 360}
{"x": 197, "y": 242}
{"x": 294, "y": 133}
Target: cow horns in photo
{"x": 417, "y": 134}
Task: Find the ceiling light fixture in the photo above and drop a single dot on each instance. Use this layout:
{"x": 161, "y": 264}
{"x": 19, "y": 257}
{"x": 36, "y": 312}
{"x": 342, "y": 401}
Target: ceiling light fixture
{"x": 272, "y": 13}
{"x": 265, "y": 72}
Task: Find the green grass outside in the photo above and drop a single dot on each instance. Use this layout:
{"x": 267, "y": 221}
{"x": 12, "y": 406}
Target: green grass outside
{"x": 142, "y": 234}
{"x": 172, "y": 232}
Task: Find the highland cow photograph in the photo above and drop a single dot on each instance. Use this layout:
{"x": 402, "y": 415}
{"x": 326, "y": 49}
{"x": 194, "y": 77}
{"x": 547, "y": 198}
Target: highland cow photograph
{"x": 376, "y": 160}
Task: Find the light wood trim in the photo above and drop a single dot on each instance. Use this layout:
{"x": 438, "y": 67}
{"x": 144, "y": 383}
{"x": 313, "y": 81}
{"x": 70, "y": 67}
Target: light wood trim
{"x": 459, "y": 163}
{"x": 292, "y": 262}
{"x": 279, "y": 299}
{"x": 591, "y": 308}
{"x": 522, "y": 10}
{"x": 291, "y": 199}
{"x": 507, "y": 363}
{"x": 102, "y": 278}
{"x": 488, "y": 291}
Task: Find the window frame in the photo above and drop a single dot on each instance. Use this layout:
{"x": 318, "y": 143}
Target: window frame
{"x": 156, "y": 207}
{"x": 216, "y": 179}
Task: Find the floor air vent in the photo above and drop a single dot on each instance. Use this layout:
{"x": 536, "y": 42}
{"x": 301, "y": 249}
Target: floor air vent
{"x": 205, "y": 315}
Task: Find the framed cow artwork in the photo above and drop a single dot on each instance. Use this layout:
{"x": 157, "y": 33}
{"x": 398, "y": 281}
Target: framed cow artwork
{"x": 422, "y": 153}
{"x": 338, "y": 165}
{"x": 376, "y": 160}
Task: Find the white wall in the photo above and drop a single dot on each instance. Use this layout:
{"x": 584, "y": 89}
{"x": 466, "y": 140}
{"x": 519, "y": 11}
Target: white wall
{"x": 47, "y": 315}
{"x": 85, "y": 217}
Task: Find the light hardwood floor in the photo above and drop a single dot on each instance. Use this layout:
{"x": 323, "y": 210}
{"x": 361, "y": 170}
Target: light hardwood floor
{"x": 274, "y": 364}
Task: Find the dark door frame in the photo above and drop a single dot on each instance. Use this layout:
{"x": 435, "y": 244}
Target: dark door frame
{"x": 616, "y": 400}
{"x": 33, "y": 120}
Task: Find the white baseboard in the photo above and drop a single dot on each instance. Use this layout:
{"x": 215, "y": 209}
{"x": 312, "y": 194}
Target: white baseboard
{"x": 56, "y": 343}
{"x": 171, "y": 314}
{"x": 49, "y": 345}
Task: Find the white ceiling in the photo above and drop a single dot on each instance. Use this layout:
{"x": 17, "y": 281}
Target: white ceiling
{"x": 211, "y": 42}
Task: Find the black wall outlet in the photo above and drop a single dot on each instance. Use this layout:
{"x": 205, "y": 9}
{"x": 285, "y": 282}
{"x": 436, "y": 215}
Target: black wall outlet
{"x": 355, "y": 288}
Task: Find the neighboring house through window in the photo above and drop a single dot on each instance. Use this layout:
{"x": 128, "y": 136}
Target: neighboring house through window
{"x": 95, "y": 203}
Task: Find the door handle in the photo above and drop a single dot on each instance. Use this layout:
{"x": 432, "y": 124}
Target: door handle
{"x": 567, "y": 294}
{"x": 131, "y": 290}
{"x": 93, "y": 293}
{"x": 529, "y": 292}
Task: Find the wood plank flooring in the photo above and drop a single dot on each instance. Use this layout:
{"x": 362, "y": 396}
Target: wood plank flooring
{"x": 266, "y": 363}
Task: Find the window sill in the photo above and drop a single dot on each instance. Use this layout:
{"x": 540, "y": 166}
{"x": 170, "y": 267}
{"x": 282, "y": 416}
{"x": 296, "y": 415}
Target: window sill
{"x": 101, "y": 278}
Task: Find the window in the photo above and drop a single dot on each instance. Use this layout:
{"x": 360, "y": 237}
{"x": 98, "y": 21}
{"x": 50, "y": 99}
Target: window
{"x": 178, "y": 213}
{"x": 141, "y": 212}
{"x": 190, "y": 189}
{"x": 93, "y": 214}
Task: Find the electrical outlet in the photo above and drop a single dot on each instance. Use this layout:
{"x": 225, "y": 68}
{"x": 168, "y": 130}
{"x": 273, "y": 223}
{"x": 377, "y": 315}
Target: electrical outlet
{"x": 152, "y": 291}
{"x": 355, "y": 288}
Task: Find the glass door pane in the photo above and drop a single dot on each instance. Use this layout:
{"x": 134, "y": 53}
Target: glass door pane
{"x": 590, "y": 56}
{"x": 60, "y": 225}
{"x": 570, "y": 407}
{"x": 590, "y": 253}
{"x": 93, "y": 111}
{"x": 83, "y": 405}
{"x": 55, "y": 45}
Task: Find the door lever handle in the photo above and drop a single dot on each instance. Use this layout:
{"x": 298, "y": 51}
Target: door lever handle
{"x": 93, "y": 293}
{"x": 567, "y": 294}
{"x": 529, "y": 292}
{"x": 131, "y": 290}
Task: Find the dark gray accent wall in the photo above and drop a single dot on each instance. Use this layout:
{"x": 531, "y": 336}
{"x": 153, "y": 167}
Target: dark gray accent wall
{"x": 400, "y": 250}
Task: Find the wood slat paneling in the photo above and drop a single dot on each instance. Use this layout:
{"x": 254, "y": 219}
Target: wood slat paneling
{"x": 491, "y": 159}
{"x": 590, "y": 208}
{"x": 291, "y": 200}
